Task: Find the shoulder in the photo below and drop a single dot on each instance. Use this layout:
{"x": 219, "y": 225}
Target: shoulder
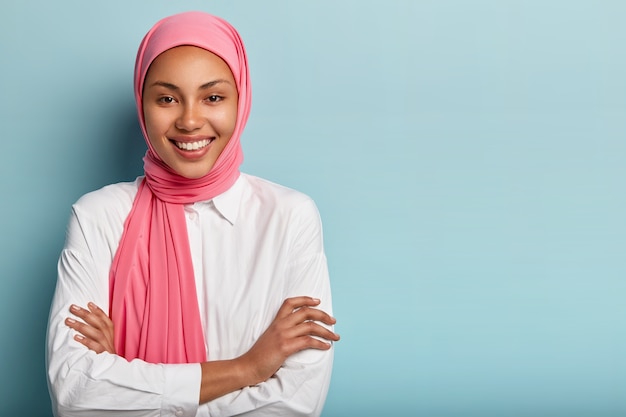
{"x": 113, "y": 200}
{"x": 291, "y": 212}
{"x": 97, "y": 219}
{"x": 277, "y": 197}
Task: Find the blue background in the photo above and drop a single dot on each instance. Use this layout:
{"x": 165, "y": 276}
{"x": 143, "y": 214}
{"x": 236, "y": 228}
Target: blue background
{"x": 467, "y": 157}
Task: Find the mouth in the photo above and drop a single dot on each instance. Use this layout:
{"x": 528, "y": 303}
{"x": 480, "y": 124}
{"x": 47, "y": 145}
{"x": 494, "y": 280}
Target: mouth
{"x": 192, "y": 146}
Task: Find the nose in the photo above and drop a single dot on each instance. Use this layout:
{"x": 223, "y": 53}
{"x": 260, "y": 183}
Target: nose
{"x": 190, "y": 118}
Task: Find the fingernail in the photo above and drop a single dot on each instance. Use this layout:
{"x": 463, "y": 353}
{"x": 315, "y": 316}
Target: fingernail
{"x": 70, "y": 321}
{"x": 79, "y": 337}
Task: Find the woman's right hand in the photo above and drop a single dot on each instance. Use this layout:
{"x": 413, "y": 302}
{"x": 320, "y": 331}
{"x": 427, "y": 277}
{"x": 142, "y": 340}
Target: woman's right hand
{"x": 295, "y": 328}
{"x": 95, "y": 331}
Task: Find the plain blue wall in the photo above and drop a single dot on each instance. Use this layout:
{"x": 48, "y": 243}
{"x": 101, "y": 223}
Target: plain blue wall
{"x": 468, "y": 159}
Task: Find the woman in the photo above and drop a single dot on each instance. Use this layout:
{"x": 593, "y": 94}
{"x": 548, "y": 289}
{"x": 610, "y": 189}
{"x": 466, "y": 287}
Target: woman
{"x": 215, "y": 282}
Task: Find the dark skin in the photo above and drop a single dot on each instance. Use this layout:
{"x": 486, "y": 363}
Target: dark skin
{"x": 294, "y": 329}
{"x": 191, "y": 93}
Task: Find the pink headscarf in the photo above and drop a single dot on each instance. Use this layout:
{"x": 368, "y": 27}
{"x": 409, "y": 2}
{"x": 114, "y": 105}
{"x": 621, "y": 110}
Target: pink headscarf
{"x": 153, "y": 300}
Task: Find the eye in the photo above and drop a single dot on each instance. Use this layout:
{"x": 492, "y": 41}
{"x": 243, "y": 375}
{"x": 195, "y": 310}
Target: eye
{"x": 166, "y": 100}
{"x": 214, "y": 98}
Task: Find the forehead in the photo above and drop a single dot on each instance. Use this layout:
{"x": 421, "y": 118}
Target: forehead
{"x": 188, "y": 61}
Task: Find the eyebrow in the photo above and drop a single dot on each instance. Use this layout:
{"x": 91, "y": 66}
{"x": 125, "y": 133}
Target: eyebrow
{"x": 204, "y": 86}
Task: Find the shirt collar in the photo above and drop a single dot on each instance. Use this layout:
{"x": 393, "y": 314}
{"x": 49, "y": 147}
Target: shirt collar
{"x": 228, "y": 203}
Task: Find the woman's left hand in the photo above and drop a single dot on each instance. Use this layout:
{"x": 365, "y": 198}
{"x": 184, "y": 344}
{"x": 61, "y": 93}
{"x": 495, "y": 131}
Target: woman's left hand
{"x": 96, "y": 329}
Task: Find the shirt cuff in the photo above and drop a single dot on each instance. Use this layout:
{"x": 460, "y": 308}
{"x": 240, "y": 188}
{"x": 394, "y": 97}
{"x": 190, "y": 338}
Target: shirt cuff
{"x": 182, "y": 390}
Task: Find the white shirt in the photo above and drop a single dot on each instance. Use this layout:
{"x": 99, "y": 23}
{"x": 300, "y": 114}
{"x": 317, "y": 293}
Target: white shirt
{"x": 252, "y": 246}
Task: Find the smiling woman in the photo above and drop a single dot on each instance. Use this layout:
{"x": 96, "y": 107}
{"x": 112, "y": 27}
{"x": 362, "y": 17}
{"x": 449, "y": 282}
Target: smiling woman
{"x": 196, "y": 289}
{"x": 189, "y": 120}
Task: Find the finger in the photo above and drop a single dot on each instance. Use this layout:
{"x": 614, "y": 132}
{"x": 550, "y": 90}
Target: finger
{"x": 88, "y": 335}
{"x": 82, "y": 313}
{"x": 294, "y": 303}
{"x": 311, "y": 328}
{"x": 96, "y": 318}
{"x": 306, "y": 329}
{"x": 96, "y": 310}
{"x": 93, "y": 315}
{"x": 308, "y": 342}
{"x": 95, "y": 326}
{"x": 90, "y": 344}
{"x": 85, "y": 329}
{"x": 314, "y": 314}
{"x": 305, "y": 338}
{"x": 104, "y": 321}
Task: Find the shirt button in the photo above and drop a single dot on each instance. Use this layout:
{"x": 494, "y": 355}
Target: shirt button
{"x": 179, "y": 413}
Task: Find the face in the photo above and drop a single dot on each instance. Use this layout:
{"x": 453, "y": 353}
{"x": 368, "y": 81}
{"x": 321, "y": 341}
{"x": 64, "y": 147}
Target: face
{"x": 190, "y": 108}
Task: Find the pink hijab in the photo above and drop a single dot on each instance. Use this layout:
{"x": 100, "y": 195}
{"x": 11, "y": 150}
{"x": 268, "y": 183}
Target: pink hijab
{"x": 153, "y": 300}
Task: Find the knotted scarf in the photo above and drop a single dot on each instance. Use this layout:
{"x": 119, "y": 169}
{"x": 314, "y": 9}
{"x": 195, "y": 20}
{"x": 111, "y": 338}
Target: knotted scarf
{"x": 153, "y": 300}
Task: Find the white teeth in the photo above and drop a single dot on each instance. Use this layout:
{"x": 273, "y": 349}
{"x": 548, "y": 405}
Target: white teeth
{"x": 192, "y": 146}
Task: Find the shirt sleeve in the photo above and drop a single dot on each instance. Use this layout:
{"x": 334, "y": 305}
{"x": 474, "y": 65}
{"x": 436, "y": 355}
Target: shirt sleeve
{"x": 300, "y": 386}
{"x": 83, "y": 383}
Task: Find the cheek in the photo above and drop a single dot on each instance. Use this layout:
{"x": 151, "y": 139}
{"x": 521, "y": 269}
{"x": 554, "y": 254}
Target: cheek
{"x": 230, "y": 119}
{"x": 154, "y": 118}
{"x": 153, "y": 130}
{"x": 223, "y": 121}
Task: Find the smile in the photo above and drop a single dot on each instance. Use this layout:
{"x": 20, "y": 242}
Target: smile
{"x": 193, "y": 146}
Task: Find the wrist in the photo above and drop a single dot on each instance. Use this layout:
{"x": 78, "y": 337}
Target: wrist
{"x": 247, "y": 371}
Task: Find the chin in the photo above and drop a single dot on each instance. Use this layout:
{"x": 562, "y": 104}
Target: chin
{"x": 192, "y": 174}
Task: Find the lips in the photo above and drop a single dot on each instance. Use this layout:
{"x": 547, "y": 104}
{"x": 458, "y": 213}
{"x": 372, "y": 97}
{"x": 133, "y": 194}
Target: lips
{"x": 194, "y": 144}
